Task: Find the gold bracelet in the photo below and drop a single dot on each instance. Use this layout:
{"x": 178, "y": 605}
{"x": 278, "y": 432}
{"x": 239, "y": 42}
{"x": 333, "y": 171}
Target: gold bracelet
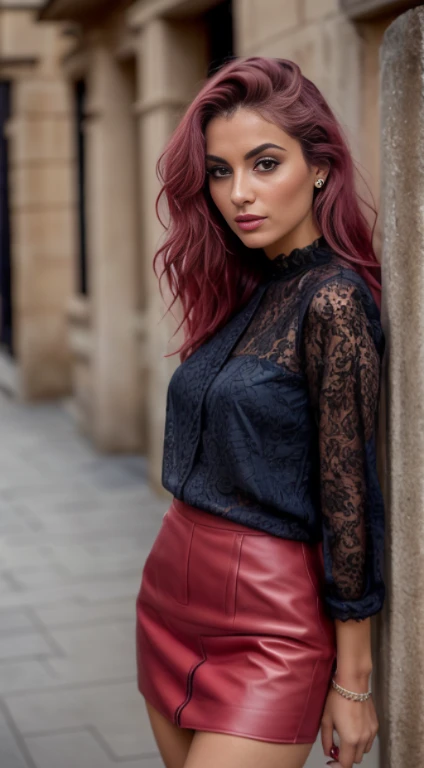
{"x": 350, "y": 694}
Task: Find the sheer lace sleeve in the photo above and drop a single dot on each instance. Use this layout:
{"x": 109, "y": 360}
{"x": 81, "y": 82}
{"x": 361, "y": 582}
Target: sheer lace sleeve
{"x": 342, "y": 364}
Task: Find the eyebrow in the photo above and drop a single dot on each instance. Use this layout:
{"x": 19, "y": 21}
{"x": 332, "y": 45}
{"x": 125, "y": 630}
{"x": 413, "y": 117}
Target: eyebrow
{"x": 248, "y": 155}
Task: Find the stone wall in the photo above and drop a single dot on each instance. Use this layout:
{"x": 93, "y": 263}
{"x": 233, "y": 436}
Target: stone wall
{"x": 402, "y": 623}
{"x": 41, "y": 200}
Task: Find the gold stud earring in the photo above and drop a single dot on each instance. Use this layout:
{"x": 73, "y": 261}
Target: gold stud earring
{"x": 319, "y": 183}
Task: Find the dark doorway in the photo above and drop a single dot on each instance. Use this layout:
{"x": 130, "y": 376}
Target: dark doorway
{"x": 219, "y": 22}
{"x": 82, "y": 274}
{"x": 6, "y": 335}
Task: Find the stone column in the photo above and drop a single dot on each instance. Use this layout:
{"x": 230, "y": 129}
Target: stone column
{"x": 401, "y": 667}
{"x": 171, "y": 65}
{"x": 41, "y": 204}
{"x": 112, "y": 210}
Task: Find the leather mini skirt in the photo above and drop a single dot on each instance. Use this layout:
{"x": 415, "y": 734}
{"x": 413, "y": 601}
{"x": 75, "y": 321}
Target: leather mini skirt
{"x": 232, "y": 635}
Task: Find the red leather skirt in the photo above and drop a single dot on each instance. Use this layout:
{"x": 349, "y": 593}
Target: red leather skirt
{"x": 231, "y": 630}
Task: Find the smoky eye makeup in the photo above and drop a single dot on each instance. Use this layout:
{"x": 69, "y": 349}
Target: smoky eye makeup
{"x": 267, "y": 160}
{"x": 217, "y": 171}
{"x": 222, "y": 171}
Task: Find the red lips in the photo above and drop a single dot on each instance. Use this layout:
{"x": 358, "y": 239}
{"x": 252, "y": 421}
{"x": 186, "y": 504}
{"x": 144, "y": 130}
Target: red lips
{"x": 248, "y": 217}
{"x": 248, "y": 222}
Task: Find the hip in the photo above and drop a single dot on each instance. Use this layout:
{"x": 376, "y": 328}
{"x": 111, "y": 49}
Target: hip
{"x": 217, "y": 575}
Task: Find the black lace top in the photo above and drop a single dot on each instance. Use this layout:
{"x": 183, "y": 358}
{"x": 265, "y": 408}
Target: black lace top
{"x": 272, "y": 422}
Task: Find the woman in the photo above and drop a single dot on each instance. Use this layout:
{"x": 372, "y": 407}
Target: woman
{"x": 253, "y": 626}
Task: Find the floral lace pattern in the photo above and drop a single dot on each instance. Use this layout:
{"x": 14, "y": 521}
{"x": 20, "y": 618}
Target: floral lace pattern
{"x": 272, "y": 422}
{"x": 297, "y": 259}
{"x": 343, "y": 368}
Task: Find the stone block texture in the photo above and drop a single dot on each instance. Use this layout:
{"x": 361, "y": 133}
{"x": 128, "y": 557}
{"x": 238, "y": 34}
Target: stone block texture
{"x": 402, "y": 635}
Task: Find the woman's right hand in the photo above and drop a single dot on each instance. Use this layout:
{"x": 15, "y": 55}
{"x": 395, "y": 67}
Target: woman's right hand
{"x": 356, "y": 725}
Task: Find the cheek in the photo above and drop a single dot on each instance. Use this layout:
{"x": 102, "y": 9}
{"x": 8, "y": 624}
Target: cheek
{"x": 290, "y": 187}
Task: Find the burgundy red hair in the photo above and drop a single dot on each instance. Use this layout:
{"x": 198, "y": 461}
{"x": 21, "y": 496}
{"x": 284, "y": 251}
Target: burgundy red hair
{"x": 207, "y": 267}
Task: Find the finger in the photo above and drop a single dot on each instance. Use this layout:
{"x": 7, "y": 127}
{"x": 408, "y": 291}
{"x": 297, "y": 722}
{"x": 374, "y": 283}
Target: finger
{"x": 369, "y": 744}
{"x": 326, "y": 738}
{"x": 347, "y": 755}
{"x": 359, "y": 753}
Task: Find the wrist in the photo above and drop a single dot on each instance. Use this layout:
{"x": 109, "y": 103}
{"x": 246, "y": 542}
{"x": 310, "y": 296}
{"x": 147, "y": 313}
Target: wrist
{"x": 357, "y": 680}
{"x": 356, "y": 667}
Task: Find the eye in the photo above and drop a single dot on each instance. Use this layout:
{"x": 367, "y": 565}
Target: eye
{"x": 268, "y": 164}
{"x": 217, "y": 171}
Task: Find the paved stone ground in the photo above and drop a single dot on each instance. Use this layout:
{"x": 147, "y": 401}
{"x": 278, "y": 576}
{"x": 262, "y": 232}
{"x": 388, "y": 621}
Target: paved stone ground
{"x": 75, "y": 529}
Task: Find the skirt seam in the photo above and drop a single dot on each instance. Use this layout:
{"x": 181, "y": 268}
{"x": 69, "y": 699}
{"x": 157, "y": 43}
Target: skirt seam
{"x": 189, "y": 688}
{"x": 187, "y": 596}
{"x": 307, "y": 701}
{"x": 315, "y": 590}
{"x": 232, "y": 576}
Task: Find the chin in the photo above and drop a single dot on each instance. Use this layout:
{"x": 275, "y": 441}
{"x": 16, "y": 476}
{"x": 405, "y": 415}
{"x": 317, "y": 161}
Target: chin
{"x": 257, "y": 242}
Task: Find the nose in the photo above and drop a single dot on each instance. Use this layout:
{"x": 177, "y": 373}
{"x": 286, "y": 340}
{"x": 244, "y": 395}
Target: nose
{"x": 242, "y": 190}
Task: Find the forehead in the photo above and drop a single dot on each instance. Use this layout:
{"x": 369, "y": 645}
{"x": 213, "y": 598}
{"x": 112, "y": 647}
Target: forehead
{"x": 241, "y": 132}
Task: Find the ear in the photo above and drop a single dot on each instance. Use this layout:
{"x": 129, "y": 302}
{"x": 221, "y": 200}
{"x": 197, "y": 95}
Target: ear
{"x": 321, "y": 172}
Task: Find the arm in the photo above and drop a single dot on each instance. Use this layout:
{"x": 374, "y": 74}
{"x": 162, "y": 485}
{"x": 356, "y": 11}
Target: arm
{"x": 354, "y": 662}
{"x": 342, "y": 365}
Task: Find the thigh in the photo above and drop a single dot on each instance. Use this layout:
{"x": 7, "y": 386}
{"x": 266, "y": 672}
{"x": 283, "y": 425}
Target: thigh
{"x": 173, "y": 743}
{"x": 211, "y": 749}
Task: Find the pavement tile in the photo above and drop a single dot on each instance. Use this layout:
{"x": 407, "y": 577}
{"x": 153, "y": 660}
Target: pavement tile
{"x": 99, "y": 652}
{"x": 11, "y": 753}
{"x": 13, "y": 621}
{"x": 24, "y": 645}
{"x": 75, "y": 612}
{"x": 32, "y": 577}
{"x": 106, "y": 587}
{"x": 25, "y": 675}
{"x": 22, "y": 557}
{"x": 79, "y": 748}
{"x": 115, "y": 710}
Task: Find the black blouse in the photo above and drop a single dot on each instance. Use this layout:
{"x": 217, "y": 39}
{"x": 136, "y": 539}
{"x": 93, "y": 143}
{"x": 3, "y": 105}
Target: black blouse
{"x": 272, "y": 422}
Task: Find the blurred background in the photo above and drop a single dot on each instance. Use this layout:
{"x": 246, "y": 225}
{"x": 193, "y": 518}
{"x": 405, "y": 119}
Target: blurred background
{"x": 89, "y": 92}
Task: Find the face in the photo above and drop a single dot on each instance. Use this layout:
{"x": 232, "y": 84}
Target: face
{"x": 255, "y": 169}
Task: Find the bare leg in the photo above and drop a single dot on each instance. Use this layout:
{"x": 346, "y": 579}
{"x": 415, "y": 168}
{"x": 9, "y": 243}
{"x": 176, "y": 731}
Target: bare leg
{"x": 208, "y": 750}
{"x": 173, "y": 743}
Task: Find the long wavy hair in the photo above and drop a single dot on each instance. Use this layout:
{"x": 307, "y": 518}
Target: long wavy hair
{"x": 207, "y": 267}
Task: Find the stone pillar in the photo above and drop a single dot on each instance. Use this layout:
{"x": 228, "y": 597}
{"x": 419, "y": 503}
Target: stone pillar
{"x": 401, "y": 672}
{"x": 112, "y": 210}
{"x": 41, "y": 203}
{"x": 370, "y": 129}
{"x": 171, "y": 65}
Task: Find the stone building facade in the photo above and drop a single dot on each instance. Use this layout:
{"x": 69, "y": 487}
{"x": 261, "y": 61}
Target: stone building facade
{"x": 132, "y": 70}
{"x": 36, "y": 204}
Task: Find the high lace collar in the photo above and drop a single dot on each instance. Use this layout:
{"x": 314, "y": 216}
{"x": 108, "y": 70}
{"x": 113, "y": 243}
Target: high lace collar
{"x": 300, "y": 258}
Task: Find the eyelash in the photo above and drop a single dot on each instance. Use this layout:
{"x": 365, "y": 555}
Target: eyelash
{"x": 211, "y": 171}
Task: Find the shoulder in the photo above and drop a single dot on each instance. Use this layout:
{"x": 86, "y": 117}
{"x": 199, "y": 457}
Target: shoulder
{"x": 335, "y": 301}
{"x": 341, "y": 298}
{"x": 337, "y": 291}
